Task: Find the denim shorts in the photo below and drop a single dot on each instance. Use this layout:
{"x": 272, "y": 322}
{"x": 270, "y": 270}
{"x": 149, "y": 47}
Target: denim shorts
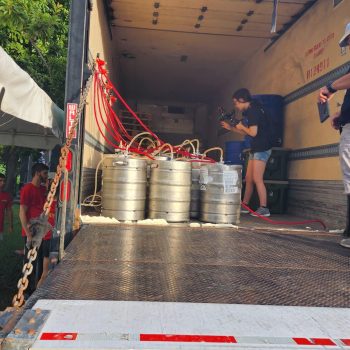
{"x": 264, "y": 156}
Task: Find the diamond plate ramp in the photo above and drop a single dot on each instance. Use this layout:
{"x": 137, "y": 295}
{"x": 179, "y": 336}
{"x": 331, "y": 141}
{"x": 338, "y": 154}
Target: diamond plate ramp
{"x": 202, "y": 265}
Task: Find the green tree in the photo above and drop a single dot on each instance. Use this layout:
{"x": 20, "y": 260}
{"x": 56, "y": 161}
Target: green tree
{"x": 35, "y": 34}
{"x": 10, "y": 163}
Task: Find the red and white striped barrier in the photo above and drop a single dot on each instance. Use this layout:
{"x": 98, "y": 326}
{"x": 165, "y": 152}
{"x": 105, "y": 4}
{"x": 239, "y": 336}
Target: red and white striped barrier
{"x": 198, "y": 338}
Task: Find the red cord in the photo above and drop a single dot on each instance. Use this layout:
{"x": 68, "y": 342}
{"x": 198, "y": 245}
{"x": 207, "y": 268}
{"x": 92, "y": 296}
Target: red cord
{"x": 110, "y": 86}
{"x": 143, "y": 153}
{"x": 115, "y": 117}
{"x": 178, "y": 150}
{"x": 273, "y": 222}
{"x": 96, "y": 119}
{"x": 130, "y": 110}
{"x": 116, "y": 136}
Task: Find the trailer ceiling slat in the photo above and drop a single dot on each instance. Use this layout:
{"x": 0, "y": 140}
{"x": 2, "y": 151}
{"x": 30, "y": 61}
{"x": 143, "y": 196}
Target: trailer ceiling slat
{"x": 216, "y": 43}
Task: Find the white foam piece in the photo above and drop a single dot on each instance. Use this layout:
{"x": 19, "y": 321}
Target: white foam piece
{"x": 209, "y": 224}
{"x": 87, "y": 219}
{"x": 336, "y": 231}
{"x": 160, "y": 222}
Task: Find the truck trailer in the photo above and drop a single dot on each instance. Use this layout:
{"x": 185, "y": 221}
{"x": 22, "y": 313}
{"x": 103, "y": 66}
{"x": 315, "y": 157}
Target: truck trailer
{"x": 252, "y": 285}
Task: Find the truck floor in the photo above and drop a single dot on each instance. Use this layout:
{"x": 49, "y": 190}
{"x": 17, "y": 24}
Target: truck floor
{"x": 201, "y": 265}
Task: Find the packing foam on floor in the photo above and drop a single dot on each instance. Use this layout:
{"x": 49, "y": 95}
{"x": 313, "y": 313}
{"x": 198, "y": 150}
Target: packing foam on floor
{"x": 153, "y": 222}
{"x": 87, "y": 219}
{"x": 209, "y": 224}
{"x": 336, "y": 231}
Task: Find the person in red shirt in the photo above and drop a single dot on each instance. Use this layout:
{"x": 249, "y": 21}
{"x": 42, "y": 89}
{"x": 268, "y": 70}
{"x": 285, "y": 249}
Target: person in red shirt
{"x": 5, "y": 207}
{"x": 32, "y": 200}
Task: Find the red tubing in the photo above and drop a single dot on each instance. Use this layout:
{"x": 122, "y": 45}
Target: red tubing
{"x": 110, "y": 114}
{"x": 116, "y": 136}
{"x": 115, "y": 133}
{"x": 97, "y": 122}
{"x": 130, "y": 110}
{"x": 273, "y": 222}
{"x": 102, "y": 73}
{"x": 115, "y": 117}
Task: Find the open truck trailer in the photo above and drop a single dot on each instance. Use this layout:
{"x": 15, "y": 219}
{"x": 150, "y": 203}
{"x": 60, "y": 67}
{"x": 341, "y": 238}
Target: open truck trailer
{"x": 182, "y": 286}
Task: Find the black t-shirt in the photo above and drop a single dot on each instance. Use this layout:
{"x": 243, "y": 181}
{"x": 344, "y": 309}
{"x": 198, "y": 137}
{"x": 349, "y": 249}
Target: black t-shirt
{"x": 345, "y": 108}
{"x": 257, "y": 116}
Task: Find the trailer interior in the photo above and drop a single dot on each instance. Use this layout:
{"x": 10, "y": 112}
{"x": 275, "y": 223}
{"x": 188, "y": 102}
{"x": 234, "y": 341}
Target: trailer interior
{"x": 191, "y": 285}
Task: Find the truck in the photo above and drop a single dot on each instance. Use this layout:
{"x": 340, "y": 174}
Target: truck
{"x": 182, "y": 286}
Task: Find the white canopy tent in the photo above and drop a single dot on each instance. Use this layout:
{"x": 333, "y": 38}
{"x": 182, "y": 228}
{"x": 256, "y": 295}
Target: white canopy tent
{"x": 28, "y": 117}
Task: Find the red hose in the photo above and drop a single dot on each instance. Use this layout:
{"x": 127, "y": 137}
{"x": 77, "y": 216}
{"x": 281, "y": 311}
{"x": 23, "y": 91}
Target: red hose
{"x": 115, "y": 118}
{"x": 178, "y": 150}
{"x": 130, "y": 110}
{"x": 143, "y": 153}
{"x": 96, "y": 119}
{"x": 110, "y": 86}
{"x": 115, "y": 133}
{"x": 109, "y": 132}
{"x": 106, "y": 126}
{"x": 105, "y": 102}
{"x": 273, "y": 222}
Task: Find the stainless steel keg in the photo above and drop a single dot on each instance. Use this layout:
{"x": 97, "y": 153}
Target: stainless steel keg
{"x": 124, "y": 187}
{"x": 221, "y": 187}
{"x": 195, "y": 190}
{"x": 170, "y": 190}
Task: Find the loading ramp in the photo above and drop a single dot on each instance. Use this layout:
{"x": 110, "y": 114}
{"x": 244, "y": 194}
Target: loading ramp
{"x": 265, "y": 288}
{"x": 206, "y": 265}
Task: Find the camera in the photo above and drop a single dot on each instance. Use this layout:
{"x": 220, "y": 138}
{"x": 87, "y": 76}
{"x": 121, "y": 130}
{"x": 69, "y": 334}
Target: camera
{"x": 227, "y": 117}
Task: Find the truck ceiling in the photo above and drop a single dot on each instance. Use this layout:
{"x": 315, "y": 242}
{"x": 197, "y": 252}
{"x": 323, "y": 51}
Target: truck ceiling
{"x": 187, "y": 50}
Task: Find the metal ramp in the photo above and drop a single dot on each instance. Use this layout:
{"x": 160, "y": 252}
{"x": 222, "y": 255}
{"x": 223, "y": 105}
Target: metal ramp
{"x": 202, "y": 265}
{"x": 144, "y": 325}
{"x": 205, "y": 284}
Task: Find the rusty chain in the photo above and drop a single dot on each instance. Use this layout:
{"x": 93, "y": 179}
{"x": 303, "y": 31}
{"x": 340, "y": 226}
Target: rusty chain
{"x": 23, "y": 282}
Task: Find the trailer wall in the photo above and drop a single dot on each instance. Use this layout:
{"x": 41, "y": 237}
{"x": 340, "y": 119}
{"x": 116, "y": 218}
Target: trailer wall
{"x": 100, "y": 43}
{"x": 304, "y": 57}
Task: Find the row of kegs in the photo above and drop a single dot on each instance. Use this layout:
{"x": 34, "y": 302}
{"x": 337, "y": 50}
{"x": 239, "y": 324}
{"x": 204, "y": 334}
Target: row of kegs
{"x": 174, "y": 190}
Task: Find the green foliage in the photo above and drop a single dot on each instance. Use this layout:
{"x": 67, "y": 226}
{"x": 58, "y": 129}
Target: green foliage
{"x": 35, "y": 34}
{"x": 24, "y": 152}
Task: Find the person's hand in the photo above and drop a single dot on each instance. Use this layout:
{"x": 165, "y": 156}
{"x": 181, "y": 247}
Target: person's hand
{"x": 334, "y": 119}
{"x": 10, "y": 229}
{"x": 240, "y": 126}
{"x": 226, "y": 125}
{"x": 28, "y": 233}
{"x": 324, "y": 95}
